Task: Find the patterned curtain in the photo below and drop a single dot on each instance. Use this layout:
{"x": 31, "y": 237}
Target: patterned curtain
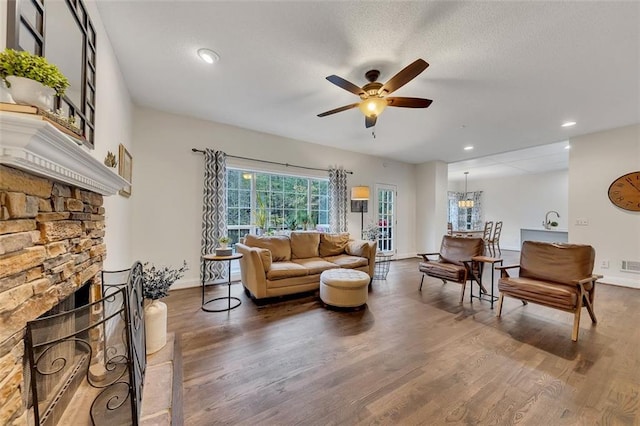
{"x": 338, "y": 200}
{"x": 460, "y": 217}
{"x": 477, "y": 221}
{"x": 214, "y": 211}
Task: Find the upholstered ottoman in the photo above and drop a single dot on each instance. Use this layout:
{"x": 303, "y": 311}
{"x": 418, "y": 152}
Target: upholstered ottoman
{"x": 344, "y": 288}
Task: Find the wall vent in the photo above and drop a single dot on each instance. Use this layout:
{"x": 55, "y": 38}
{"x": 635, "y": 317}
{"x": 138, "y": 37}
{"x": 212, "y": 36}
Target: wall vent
{"x": 630, "y": 266}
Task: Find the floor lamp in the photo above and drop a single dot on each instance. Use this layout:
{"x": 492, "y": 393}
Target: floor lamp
{"x": 359, "y": 198}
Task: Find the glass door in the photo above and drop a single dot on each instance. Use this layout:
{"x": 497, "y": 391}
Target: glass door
{"x": 386, "y": 202}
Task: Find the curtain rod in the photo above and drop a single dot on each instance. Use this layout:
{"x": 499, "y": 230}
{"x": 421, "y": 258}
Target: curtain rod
{"x": 271, "y": 162}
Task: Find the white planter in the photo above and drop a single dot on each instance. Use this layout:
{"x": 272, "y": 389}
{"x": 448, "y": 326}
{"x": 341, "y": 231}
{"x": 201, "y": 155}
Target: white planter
{"x": 5, "y": 93}
{"x": 30, "y": 92}
{"x": 155, "y": 321}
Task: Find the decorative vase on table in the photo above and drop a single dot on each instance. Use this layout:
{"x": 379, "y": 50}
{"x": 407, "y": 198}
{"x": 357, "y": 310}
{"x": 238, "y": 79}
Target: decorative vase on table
{"x": 26, "y": 91}
{"x": 156, "y": 283}
{"x": 155, "y": 320}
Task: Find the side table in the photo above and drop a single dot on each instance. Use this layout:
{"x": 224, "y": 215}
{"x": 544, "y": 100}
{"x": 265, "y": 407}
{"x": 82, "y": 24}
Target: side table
{"x": 381, "y": 268}
{"x": 228, "y": 259}
{"x": 481, "y": 260}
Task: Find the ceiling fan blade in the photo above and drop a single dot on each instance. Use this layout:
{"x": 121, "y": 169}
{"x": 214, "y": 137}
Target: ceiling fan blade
{"x": 370, "y": 121}
{"x": 409, "y": 102}
{"x": 333, "y": 111}
{"x": 407, "y": 74}
{"x": 346, "y": 85}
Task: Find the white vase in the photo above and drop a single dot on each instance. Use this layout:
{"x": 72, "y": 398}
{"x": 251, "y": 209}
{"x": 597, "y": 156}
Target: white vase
{"x": 155, "y": 321}
{"x": 30, "y": 92}
{"x": 5, "y": 93}
{"x": 223, "y": 246}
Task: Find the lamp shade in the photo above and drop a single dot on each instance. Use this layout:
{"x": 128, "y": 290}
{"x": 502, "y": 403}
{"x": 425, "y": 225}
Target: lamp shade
{"x": 373, "y": 107}
{"x": 360, "y": 193}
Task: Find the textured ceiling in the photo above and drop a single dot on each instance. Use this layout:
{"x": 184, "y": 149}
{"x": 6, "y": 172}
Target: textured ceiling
{"x": 503, "y": 75}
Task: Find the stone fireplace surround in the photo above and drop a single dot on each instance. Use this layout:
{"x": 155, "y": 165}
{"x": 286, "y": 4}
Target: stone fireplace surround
{"x": 52, "y": 229}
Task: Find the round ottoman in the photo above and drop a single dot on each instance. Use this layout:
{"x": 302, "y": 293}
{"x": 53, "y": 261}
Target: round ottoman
{"x": 344, "y": 288}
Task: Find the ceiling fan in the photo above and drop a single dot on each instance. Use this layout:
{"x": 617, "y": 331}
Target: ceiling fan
{"x": 373, "y": 94}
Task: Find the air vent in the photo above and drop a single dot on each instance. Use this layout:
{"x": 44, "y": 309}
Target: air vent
{"x": 630, "y": 266}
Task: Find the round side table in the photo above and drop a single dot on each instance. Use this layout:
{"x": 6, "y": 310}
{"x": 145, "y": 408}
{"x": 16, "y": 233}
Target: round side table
{"x": 213, "y": 258}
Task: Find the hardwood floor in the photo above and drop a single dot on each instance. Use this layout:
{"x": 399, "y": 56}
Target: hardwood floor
{"x": 410, "y": 357}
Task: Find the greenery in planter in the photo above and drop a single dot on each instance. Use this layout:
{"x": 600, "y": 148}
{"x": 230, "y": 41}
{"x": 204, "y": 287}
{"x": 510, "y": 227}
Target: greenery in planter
{"x": 28, "y": 65}
{"x": 224, "y": 240}
{"x": 158, "y": 280}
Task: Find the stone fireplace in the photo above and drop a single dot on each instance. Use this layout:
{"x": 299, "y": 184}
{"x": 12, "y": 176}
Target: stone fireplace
{"x": 52, "y": 229}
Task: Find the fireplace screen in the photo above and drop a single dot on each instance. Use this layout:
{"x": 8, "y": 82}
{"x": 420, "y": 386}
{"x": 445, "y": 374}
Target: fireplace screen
{"x": 85, "y": 363}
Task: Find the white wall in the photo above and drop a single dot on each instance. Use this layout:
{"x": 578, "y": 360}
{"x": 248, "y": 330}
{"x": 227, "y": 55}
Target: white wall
{"x": 113, "y": 127}
{"x": 595, "y": 161}
{"x": 431, "y": 205}
{"x": 521, "y": 202}
{"x": 168, "y": 179}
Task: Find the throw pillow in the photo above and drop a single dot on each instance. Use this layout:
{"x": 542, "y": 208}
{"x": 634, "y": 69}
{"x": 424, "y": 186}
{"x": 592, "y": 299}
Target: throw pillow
{"x": 333, "y": 244}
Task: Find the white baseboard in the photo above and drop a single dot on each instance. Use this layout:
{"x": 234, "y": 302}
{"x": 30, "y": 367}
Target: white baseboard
{"x": 620, "y": 281}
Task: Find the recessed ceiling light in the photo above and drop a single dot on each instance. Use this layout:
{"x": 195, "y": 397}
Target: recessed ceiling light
{"x": 208, "y": 55}
{"x": 468, "y": 148}
{"x": 568, "y": 123}
{"x": 567, "y": 147}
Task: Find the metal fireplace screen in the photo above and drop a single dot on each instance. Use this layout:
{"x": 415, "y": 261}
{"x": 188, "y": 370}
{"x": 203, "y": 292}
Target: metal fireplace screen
{"x": 86, "y": 365}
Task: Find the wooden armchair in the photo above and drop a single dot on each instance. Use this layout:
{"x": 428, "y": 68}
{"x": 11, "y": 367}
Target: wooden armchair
{"x": 555, "y": 275}
{"x": 453, "y": 262}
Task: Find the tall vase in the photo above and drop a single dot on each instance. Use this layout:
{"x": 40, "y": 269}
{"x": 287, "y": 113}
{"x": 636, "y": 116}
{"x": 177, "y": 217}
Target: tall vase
{"x": 155, "y": 320}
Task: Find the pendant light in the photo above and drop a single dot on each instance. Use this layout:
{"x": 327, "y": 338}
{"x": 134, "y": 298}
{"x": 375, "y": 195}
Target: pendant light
{"x": 465, "y": 203}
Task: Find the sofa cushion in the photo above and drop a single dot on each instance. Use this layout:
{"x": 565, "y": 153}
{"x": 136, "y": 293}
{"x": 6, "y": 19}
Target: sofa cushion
{"x": 333, "y": 244}
{"x": 265, "y": 256}
{"x": 315, "y": 265}
{"x": 278, "y": 245}
{"x": 358, "y": 248}
{"x": 280, "y": 270}
{"x": 304, "y": 244}
{"x": 348, "y": 262}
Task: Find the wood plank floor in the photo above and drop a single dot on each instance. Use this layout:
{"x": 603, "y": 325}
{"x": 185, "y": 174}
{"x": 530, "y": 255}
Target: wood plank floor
{"x": 409, "y": 358}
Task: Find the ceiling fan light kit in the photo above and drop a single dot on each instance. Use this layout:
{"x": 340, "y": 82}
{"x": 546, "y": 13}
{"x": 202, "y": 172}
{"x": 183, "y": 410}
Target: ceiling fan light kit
{"x": 373, "y": 94}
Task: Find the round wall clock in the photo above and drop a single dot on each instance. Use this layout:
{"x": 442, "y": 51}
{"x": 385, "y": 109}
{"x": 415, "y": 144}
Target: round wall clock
{"x": 624, "y": 192}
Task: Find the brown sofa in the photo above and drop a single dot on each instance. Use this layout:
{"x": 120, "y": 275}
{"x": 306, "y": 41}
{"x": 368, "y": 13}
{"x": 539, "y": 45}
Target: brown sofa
{"x": 279, "y": 265}
{"x": 555, "y": 275}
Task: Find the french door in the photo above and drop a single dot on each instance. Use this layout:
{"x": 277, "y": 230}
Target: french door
{"x": 386, "y": 202}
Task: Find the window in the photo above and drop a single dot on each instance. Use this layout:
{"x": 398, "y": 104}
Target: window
{"x": 288, "y": 202}
{"x": 386, "y": 197}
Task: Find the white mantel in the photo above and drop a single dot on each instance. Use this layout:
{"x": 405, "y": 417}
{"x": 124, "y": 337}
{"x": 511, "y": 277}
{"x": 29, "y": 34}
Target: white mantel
{"x": 29, "y": 143}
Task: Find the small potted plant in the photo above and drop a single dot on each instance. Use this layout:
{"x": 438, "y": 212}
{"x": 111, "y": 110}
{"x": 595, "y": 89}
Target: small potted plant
{"x": 224, "y": 241}
{"x": 156, "y": 283}
{"x": 31, "y": 78}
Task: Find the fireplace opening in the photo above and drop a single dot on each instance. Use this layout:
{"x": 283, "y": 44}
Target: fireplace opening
{"x": 80, "y": 359}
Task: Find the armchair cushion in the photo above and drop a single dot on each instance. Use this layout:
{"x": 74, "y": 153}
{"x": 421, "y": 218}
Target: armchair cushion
{"x": 444, "y": 270}
{"x": 279, "y": 246}
{"x": 333, "y": 244}
{"x": 560, "y": 263}
{"x": 557, "y": 295}
{"x": 456, "y": 249}
{"x": 304, "y": 245}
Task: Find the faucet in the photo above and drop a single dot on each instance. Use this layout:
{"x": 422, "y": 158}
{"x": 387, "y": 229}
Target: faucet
{"x": 547, "y": 222}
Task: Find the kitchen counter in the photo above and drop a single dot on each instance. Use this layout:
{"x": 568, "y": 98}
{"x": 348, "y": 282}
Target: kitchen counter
{"x": 553, "y": 235}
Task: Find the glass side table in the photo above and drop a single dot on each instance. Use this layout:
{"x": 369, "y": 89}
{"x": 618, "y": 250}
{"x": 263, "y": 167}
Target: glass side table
{"x": 383, "y": 261}
{"x": 229, "y": 298}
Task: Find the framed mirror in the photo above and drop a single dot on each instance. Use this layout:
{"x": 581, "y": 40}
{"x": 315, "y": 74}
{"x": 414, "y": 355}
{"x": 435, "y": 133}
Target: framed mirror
{"x": 61, "y": 31}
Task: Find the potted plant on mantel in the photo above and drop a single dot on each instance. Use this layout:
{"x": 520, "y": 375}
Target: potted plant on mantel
{"x": 156, "y": 283}
{"x": 32, "y": 80}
